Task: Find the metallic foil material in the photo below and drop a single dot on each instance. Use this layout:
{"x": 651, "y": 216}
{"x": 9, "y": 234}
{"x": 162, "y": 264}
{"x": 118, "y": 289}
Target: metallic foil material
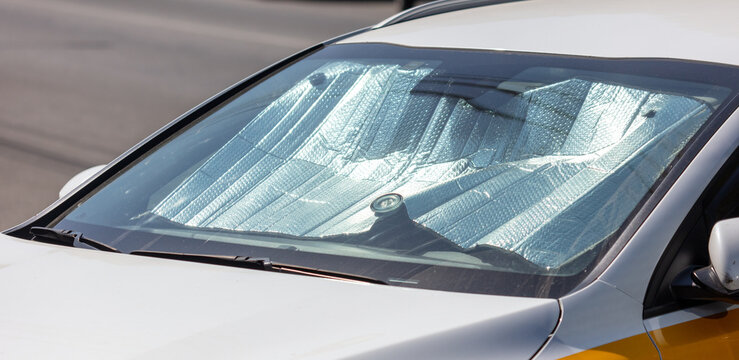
{"x": 549, "y": 174}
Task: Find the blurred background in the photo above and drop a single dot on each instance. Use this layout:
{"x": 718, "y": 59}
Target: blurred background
{"x": 81, "y": 81}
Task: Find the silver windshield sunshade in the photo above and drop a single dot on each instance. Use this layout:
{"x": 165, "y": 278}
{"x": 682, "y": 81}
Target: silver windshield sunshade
{"x": 548, "y": 173}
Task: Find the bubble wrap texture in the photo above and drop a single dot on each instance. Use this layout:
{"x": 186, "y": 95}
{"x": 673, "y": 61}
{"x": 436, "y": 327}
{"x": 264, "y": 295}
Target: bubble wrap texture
{"x": 548, "y": 176}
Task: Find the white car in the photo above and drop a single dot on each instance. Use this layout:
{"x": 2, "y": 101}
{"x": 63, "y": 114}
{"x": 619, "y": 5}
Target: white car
{"x": 528, "y": 180}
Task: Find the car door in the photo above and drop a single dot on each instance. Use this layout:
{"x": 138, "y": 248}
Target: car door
{"x": 695, "y": 329}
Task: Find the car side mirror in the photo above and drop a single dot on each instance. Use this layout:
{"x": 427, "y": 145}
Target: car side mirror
{"x": 720, "y": 280}
{"x": 79, "y": 179}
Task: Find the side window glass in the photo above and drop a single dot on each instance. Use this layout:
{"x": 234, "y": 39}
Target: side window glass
{"x": 725, "y": 204}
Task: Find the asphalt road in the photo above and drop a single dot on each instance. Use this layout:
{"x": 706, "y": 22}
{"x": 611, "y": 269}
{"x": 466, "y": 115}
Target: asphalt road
{"x": 81, "y": 81}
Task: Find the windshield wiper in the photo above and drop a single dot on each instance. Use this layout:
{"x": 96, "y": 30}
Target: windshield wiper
{"x": 67, "y": 238}
{"x": 259, "y": 264}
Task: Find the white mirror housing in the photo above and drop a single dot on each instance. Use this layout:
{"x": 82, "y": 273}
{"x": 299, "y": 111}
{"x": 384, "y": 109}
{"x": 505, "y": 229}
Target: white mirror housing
{"x": 79, "y": 179}
{"x": 723, "y": 249}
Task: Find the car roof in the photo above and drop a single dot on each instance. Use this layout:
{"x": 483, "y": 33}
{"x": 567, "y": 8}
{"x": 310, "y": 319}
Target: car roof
{"x": 679, "y": 29}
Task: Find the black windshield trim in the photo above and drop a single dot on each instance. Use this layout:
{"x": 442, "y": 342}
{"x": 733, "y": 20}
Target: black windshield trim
{"x": 489, "y": 282}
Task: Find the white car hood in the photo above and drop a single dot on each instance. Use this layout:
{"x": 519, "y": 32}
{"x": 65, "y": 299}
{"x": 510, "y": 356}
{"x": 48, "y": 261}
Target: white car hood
{"x": 59, "y": 302}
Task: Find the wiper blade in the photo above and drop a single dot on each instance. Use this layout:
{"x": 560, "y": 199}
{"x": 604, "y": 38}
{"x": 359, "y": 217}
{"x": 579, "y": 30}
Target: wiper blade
{"x": 67, "y": 238}
{"x": 259, "y": 264}
{"x": 504, "y": 258}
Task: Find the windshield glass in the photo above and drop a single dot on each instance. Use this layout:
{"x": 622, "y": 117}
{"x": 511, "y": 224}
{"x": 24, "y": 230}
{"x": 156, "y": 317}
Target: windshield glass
{"x": 458, "y": 170}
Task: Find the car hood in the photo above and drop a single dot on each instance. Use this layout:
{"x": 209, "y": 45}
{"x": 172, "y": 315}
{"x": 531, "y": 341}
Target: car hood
{"x": 60, "y": 302}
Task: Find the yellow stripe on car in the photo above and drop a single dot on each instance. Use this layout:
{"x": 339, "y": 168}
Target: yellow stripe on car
{"x": 637, "y": 347}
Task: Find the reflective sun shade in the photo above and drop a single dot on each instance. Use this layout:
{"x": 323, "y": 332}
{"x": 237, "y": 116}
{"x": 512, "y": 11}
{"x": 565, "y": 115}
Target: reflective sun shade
{"x": 532, "y": 173}
{"x": 459, "y": 170}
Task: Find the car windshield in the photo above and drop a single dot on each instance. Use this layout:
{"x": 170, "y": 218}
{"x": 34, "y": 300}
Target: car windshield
{"x": 473, "y": 171}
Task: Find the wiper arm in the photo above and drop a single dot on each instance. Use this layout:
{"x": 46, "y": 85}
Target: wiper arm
{"x": 259, "y": 264}
{"x": 67, "y": 238}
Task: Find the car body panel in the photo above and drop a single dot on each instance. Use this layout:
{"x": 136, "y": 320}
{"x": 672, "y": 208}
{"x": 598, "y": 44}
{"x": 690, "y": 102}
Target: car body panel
{"x": 637, "y": 347}
{"x": 600, "y": 321}
{"x": 79, "y": 303}
{"x": 704, "y": 332}
{"x": 682, "y": 29}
